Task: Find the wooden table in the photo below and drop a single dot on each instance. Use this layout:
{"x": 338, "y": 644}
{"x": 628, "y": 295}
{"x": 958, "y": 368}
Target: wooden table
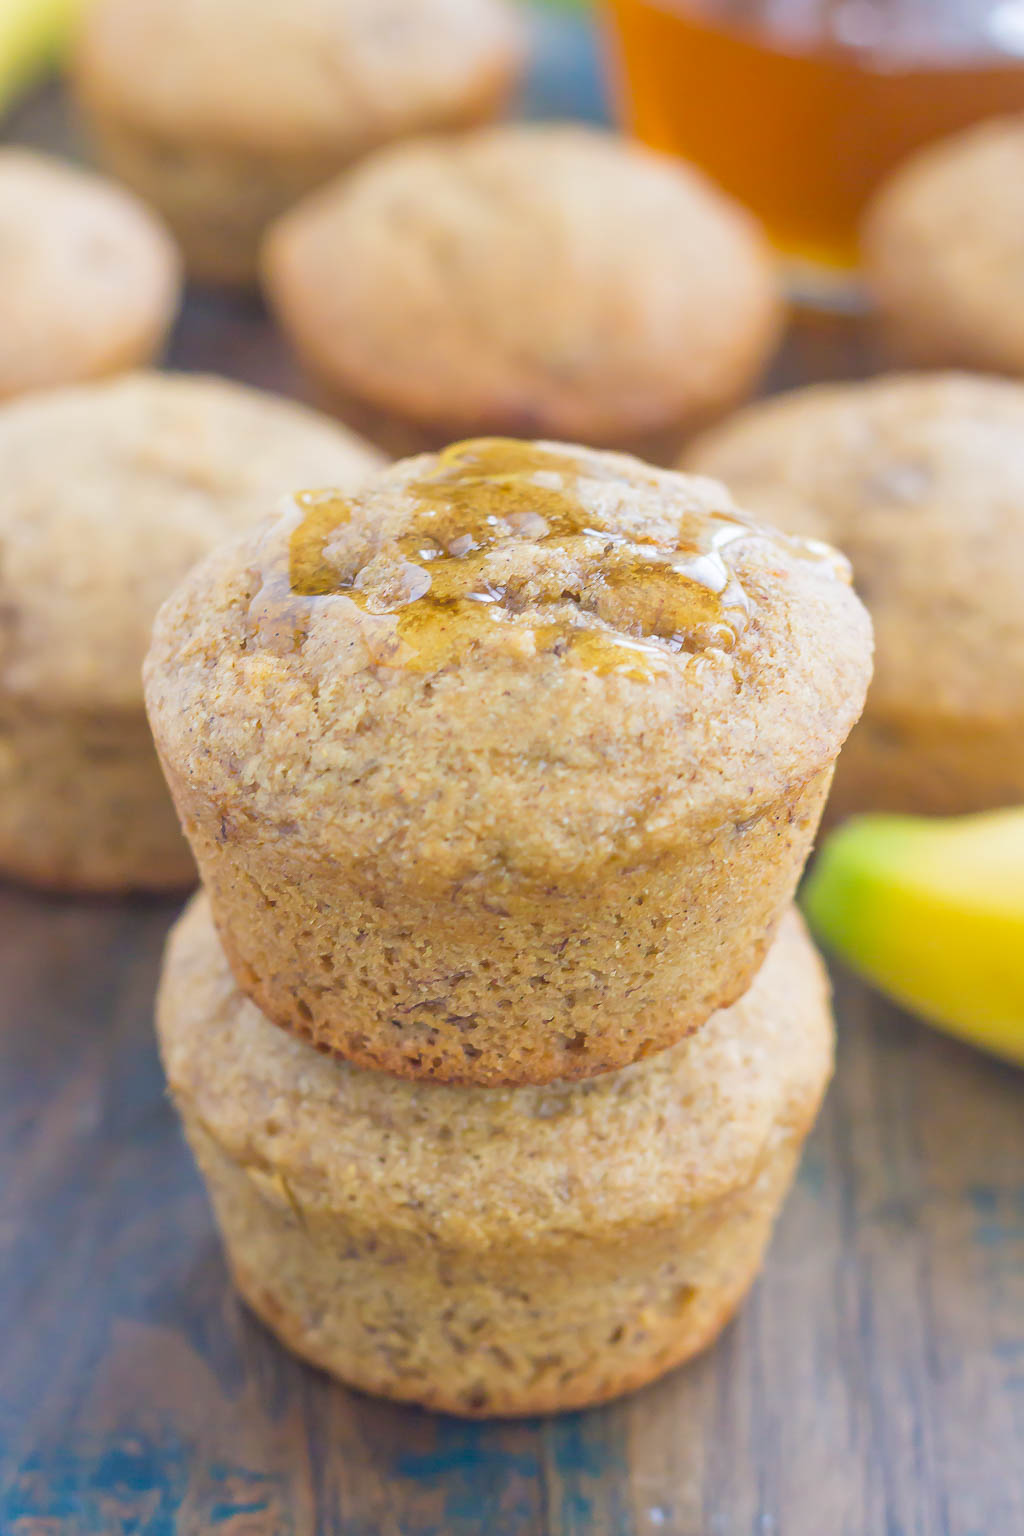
{"x": 873, "y": 1386}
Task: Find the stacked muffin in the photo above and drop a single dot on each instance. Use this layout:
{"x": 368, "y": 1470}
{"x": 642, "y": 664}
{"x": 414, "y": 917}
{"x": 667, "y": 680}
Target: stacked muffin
{"x": 500, "y": 775}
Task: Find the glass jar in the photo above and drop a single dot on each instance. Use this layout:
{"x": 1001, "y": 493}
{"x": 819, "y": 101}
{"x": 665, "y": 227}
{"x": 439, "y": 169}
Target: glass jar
{"x": 801, "y": 107}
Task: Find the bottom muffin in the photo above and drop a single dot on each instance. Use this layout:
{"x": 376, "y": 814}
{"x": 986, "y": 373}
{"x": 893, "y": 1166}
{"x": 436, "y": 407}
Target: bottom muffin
{"x": 495, "y": 1251}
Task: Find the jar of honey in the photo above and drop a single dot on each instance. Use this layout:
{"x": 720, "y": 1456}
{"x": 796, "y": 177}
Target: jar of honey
{"x": 800, "y": 108}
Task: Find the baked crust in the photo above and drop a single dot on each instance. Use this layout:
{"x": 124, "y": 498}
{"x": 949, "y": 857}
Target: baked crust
{"x": 532, "y": 808}
{"x": 552, "y": 280}
{"x": 493, "y": 1251}
{"x": 944, "y": 253}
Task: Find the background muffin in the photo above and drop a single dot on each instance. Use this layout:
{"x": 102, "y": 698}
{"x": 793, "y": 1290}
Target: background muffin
{"x": 505, "y": 768}
{"x": 89, "y": 280}
{"x": 223, "y": 112}
{"x": 920, "y": 480}
{"x": 944, "y": 250}
{"x": 109, "y": 493}
{"x": 491, "y": 1251}
{"x": 535, "y": 280}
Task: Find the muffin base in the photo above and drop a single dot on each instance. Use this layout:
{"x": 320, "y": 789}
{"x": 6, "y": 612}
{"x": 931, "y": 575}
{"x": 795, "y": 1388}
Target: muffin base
{"x": 491, "y": 983}
{"x": 503, "y": 1334}
{"x": 83, "y": 804}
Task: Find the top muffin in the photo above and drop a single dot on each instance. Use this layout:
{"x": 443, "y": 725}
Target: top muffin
{"x": 222, "y": 112}
{"x": 542, "y": 279}
{"x": 543, "y": 652}
{"x": 505, "y": 768}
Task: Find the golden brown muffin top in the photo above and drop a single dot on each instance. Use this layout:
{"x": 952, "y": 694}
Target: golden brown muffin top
{"x": 531, "y": 655}
{"x": 546, "y": 279}
{"x": 472, "y": 1166}
{"x": 109, "y": 493}
{"x": 920, "y": 481}
{"x": 293, "y": 76}
{"x": 944, "y": 249}
{"x": 88, "y": 276}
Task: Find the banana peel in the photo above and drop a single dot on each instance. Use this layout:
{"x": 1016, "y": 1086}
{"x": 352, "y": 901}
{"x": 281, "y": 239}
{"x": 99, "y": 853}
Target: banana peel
{"x": 931, "y": 911}
{"x": 34, "y": 37}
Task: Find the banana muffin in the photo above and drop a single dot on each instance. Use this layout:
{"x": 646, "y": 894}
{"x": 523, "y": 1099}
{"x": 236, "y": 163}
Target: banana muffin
{"x": 222, "y": 113}
{"x": 944, "y": 251}
{"x": 504, "y": 768}
{"x": 920, "y": 480}
{"x": 531, "y": 279}
{"x": 109, "y": 493}
{"x": 495, "y": 1251}
{"x": 89, "y": 279}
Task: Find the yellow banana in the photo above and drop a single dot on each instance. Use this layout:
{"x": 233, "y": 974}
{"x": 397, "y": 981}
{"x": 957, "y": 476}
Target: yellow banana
{"x": 33, "y": 37}
{"x": 932, "y": 912}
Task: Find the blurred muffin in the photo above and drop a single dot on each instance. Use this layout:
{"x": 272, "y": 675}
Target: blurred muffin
{"x": 495, "y": 1251}
{"x": 505, "y": 768}
{"x": 533, "y": 280}
{"x": 944, "y": 251}
{"x": 109, "y": 493}
{"x": 89, "y": 280}
{"x": 920, "y": 480}
{"x": 223, "y": 112}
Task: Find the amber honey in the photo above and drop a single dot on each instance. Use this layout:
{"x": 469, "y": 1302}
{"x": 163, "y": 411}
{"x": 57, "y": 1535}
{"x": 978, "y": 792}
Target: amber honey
{"x": 801, "y": 109}
{"x": 604, "y": 599}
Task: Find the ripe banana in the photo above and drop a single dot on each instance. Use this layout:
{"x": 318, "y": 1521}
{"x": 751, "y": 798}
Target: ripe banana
{"x": 34, "y": 35}
{"x": 932, "y": 912}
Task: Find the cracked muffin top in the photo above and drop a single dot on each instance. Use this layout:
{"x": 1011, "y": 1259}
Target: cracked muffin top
{"x": 462, "y": 1164}
{"x": 295, "y": 76}
{"x": 920, "y": 480}
{"x": 538, "y": 279}
{"x": 110, "y": 492}
{"x": 534, "y": 654}
{"x": 89, "y": 278}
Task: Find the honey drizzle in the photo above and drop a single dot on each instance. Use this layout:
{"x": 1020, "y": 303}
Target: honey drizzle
{"x": 636, "y": 606}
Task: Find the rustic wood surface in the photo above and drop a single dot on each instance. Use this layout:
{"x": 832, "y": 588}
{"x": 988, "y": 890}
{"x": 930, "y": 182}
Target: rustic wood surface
{"x": 874, "y": 1385}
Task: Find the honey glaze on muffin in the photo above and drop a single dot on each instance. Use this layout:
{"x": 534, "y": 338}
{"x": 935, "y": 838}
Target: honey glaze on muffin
{"x": 501, "y": 551}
